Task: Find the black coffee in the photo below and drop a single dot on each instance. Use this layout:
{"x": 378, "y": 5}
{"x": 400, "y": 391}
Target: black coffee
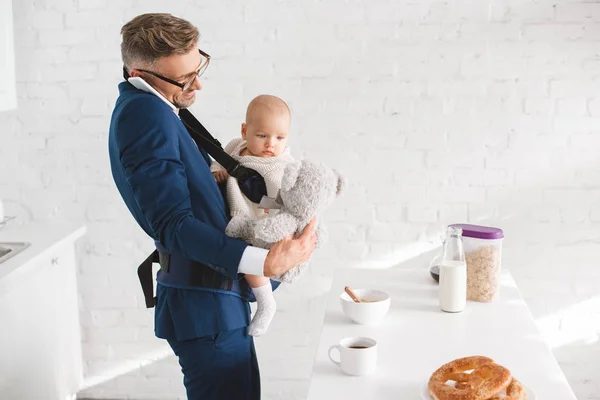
{"x": 359, "y": 347}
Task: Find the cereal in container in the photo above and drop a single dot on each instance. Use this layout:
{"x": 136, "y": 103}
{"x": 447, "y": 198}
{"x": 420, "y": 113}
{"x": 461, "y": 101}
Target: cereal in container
{"x": 483, "y": 254}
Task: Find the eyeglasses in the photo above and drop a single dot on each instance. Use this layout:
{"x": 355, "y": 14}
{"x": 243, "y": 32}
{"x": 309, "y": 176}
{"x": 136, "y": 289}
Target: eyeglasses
{"x": 187, "y": 84}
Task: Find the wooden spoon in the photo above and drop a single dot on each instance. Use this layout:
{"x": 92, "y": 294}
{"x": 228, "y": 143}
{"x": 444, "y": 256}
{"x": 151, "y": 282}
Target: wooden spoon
{"x": 352, "y": 295}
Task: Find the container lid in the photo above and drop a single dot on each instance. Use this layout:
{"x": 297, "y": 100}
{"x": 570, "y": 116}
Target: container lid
{"x": 480, "y": 232}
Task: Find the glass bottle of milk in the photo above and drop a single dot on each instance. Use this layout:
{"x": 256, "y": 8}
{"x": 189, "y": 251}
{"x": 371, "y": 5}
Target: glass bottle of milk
{"x": 453, "y": 273}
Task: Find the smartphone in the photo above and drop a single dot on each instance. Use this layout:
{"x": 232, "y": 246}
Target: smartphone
{"x": 141, "y": 84}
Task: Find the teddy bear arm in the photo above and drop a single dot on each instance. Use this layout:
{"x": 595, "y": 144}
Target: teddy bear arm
{"x": 273, "y": 229}
{"x": 240, "y": 227}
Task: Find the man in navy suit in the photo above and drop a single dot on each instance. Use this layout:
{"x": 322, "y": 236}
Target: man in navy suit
{"x": 202, "y": 307}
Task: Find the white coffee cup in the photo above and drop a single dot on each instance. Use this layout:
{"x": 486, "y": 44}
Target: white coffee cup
{"x": 358, "y": 355}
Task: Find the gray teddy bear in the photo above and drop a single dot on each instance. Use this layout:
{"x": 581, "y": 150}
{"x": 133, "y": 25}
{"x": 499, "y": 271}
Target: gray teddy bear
{"x": 307, "y": 188}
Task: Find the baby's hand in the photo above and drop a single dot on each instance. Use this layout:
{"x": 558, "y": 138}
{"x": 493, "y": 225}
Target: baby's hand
{"x": 221, "y": 175}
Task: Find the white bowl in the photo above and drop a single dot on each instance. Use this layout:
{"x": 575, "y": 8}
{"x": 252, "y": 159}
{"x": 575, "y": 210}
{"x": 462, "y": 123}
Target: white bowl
{"x": 367, "y": 313}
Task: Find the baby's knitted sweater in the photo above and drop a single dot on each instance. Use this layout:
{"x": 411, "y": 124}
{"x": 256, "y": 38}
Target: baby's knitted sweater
{"x": 271, "y": 169}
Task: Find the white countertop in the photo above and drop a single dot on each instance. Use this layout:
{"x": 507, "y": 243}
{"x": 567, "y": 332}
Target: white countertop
{"x": 416, "y": 338}
{"x": 42, "y": 236}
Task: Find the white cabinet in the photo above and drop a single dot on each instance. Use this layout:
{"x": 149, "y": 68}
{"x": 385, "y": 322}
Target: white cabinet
{"x": 40, "y": 339}
{"x": 8, "y": 98}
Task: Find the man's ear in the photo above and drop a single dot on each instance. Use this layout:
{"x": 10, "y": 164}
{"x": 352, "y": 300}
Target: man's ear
{"x": 134, "y": 72}
{"x": 244, "y": 130}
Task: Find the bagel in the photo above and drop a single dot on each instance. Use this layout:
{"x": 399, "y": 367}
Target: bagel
{"x": 514, "y": 391}
{"x": 486, "y": 380}
{"x": 439, "y": 390}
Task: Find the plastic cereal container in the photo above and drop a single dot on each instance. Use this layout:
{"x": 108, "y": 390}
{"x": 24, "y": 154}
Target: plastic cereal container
{"x": 483, "y": 254}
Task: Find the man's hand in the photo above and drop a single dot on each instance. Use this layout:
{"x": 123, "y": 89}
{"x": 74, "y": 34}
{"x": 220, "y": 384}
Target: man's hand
{"x": 221, "y": 175}
{"x": 289, "y": 252}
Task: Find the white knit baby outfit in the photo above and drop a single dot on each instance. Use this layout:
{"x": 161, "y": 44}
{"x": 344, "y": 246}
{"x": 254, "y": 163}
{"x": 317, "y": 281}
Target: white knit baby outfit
{"x": 271, "y": 169}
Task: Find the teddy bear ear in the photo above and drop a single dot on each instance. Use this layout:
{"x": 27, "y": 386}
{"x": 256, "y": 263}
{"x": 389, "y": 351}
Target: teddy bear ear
{"x": 290, "y": 175}
{"x": 342, "y": 182}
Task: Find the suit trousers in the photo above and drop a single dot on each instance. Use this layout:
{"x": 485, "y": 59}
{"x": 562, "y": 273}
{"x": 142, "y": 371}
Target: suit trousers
{"x": 219, "y": 367}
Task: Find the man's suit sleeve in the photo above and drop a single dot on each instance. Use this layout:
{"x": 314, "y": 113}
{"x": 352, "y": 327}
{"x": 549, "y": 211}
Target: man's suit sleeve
{"x": 149, "y": 152}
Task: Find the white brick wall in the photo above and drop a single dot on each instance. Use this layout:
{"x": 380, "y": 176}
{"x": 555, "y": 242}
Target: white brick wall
{"x": 437, "y": 111}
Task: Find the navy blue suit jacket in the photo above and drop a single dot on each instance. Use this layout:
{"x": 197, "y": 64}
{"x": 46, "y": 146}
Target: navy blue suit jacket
{"x": 166, "y": 183}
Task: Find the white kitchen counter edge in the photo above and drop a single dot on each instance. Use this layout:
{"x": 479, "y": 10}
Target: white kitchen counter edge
{"x": 43, "y": 237}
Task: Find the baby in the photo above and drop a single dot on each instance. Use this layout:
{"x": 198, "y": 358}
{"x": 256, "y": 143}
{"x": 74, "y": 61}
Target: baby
{"x": 262, "y": 148}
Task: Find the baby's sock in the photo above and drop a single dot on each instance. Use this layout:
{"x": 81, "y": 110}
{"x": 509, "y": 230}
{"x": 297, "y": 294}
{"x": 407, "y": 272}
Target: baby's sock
{"x": 265, "y": 309}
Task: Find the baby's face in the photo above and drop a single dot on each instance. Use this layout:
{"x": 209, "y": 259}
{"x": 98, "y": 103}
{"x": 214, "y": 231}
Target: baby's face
{"x": 266, "y": 134}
